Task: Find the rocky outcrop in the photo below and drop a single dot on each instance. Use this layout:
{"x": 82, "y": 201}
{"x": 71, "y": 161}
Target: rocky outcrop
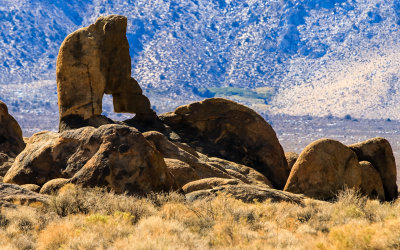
{"x": 52, "y": 186}
{"x": 114, "y": 156}
{"x": 247, "y": 193}
{"x": 379, "y": 152}
{"x": 94, "y": 61}
{"x": 371, "y": 182}
{"x": 323, "y": 168}
{"x": 291, "y": 158}
{"x": 11, "y": 140}
{"x": 188, "y": 165}
{"x": 12, "y": 195}
{"x": 225, "y": 129}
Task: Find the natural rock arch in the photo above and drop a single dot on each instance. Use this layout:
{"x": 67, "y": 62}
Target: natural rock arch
{"x": 94, "y": 61}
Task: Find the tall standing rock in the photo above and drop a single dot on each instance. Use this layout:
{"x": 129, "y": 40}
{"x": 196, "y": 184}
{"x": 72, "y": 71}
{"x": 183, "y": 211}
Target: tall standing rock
{"x": 379, "y": 152}
{"x": 94, "y": 61}
{"x": 228, "y": 130}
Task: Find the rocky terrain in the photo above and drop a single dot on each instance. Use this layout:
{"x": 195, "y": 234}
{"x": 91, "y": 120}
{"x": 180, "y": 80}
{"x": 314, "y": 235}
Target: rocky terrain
{"x": 186, "y": 172}
{"x": 201, "y": 149}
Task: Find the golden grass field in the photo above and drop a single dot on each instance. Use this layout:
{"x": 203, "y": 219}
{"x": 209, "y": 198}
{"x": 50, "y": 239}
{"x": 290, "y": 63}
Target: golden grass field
{"x": 79, "y": 218}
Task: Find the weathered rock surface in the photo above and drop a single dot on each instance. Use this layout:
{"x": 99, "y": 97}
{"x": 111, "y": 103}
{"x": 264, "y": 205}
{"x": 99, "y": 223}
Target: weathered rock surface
{"x": 32, "y": 187}
{"x": 208, "y": 183}
{"x": 12, "y": 195}
{"x": 247, "y": 193}
{"x": 291, "y": 158}
{"x": 225, "y": 129}
{"x": 371, "y": 184}
{"x": 11, "y": 140}
{"x": 52, "y": 187}
{"x": 323, "y": 168}
{"x": 187, "y": 165}
{"x": 379, "y": 152}
{"x": 114, "y": 156}
{"x": 94, "y": 61}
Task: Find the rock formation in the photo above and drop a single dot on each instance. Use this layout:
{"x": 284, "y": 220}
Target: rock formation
{"x": 379, "y": 152}
{"x": 291, "y": 158}
{"x": 323, "y": 168}
{"x": 188, "y": 165}
{"x": 94, "y": 61}
{"x": 371, "y": 182}
{"x": 12, "y": 195}
{"x": 247, "y": 193}
{"x": 225, "y": 129}
{"x": 114, "y": 156}
{"x": 11, "y": 140}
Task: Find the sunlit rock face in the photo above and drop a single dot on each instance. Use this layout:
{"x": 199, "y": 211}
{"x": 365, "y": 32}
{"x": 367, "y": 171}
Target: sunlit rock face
{"x": 94, "y": 61}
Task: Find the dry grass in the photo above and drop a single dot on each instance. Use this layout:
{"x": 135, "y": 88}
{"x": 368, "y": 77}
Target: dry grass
{"x": 94, "y": 219}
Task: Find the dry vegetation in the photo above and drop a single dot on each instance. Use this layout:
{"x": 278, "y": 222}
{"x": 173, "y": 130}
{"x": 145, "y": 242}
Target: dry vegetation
{"x": 94, "y": 219}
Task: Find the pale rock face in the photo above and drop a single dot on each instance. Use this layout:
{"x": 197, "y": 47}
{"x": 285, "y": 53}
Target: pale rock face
{"x": 323, "y": 168}
{"x": 94, "y": 61}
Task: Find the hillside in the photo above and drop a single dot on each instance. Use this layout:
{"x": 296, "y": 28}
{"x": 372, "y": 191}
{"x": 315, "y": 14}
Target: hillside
{"x": 332, "y": 57}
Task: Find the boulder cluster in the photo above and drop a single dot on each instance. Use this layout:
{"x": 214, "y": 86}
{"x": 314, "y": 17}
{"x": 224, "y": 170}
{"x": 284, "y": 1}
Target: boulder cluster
{"x": 200, "y": 149}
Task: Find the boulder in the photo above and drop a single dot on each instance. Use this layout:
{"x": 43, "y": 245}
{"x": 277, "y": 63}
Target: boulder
{"x": 113, "y": 156}
{"x": 225, "y": 129}
{"x": 11, "y": 140}
{"x": 291, "y": 158}
{"x": 247, "y": 193}
{"x": 186, "y": 164}
{"x": 207, "y": 183}
{"x": 181, "y": 171}
{"x": 33, "y": 187}
{"x": 379, "y": 152}
{"x": 323, "y": 168}
{"x": 94, "y": 61}
{"x": 5, "y": 163}
{"x": 371, "y": 184}
{"x": 52, "y": 187}
{"x": 12, "y": 195}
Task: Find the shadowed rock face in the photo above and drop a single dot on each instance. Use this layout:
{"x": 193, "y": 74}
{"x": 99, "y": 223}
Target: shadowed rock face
{"x": 94, "y": 61}
{"x": 11, "y": 140}
{"x": 225, "y": 129}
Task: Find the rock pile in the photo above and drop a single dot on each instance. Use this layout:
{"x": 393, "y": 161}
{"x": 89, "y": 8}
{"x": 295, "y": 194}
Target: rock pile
{"x": 226, "y": 129}
{"x": 326, "y": 166}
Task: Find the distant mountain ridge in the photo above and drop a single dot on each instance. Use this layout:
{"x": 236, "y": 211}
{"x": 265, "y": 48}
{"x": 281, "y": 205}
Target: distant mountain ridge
{"x": 320, "y": 56}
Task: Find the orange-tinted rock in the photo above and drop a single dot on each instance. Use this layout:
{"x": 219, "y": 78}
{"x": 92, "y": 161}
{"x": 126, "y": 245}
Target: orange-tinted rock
{"x": 225, "y": 129}
{"x": 11, "y": 140}
{"x": 323, "y": 168}
{"x": 94, "y": 61}
{"x": 379, "y": 152}
{"x": 371, "y": 184}
{"x": 187, "y": 165}
{"x": 114, "y": 156}
{"x": 291, "y": 158}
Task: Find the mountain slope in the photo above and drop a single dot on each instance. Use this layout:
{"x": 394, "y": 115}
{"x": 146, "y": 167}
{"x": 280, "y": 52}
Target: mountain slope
{"x": 320, "y": 56}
